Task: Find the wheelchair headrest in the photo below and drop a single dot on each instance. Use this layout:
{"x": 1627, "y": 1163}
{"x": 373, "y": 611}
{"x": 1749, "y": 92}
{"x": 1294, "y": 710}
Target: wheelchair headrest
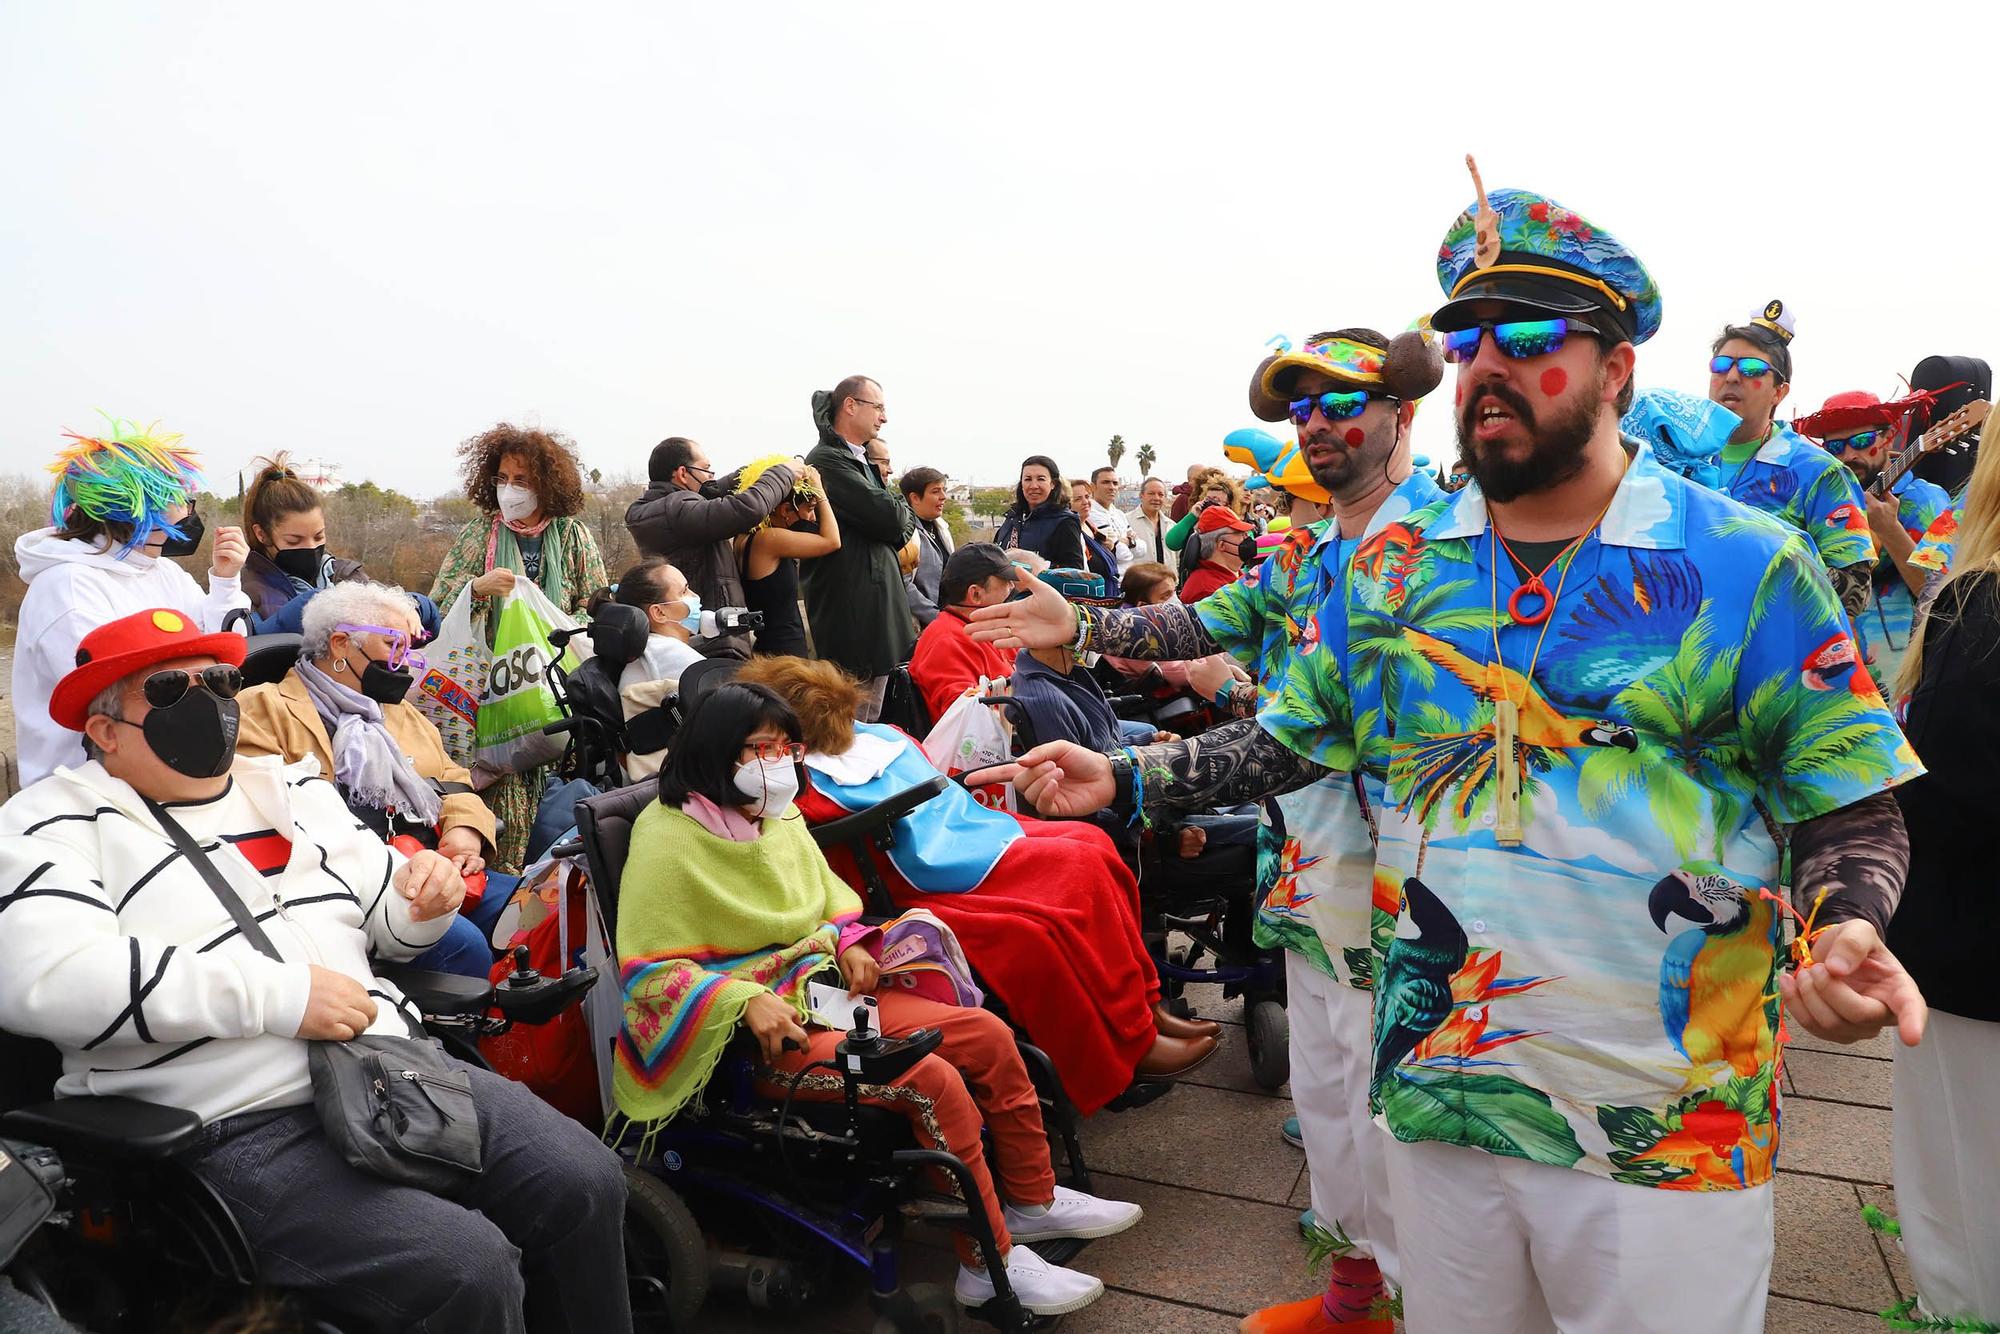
{"x": 604, "y": 823}
{"x": 266, "y": 658}
{"x": 618, "y": 633}
{"x": 703, "y": 677}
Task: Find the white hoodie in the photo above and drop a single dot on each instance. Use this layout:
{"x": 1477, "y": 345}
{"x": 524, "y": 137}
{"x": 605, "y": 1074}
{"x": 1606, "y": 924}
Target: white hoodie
{"x": 120, "y": 953}
{"x": 74, "y": 587}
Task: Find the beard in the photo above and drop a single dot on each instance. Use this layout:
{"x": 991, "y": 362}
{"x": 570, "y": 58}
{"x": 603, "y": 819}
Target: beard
{"x": 1558, "y": 440}
{"x": 1347, "y": 464}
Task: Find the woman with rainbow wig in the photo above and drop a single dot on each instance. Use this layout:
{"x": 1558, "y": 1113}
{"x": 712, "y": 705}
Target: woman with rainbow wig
{"x": 122, "y": 501}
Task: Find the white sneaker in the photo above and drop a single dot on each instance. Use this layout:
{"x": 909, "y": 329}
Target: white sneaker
{"x": 1073, "y": 1214}
{"x": 1043, "y": 1288}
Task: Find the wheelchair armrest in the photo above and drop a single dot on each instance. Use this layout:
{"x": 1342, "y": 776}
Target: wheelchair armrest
{"x": 438, "y": 993}
{"x": 1130, "y": 706}
{"x": 858, "y": 826}
{"x": 105, "y": 1127}
{"x": 543, "y": 999}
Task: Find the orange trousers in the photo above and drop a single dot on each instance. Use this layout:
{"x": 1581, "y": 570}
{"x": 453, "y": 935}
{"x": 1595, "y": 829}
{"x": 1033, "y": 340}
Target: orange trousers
{"x": 975, "y": 1076}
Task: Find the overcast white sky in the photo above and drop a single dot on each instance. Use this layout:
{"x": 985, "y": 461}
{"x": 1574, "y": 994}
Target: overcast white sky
{"x": 366, "y": 231}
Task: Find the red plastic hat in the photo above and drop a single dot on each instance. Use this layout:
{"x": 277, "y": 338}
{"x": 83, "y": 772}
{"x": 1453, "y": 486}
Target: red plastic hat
{"x": 1221, "y": 516}
{"x": 112, "y": 652}
{"x": 1848, "y": 412}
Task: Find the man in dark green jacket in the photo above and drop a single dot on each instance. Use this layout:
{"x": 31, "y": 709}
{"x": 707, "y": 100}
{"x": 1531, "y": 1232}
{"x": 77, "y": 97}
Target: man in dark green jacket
{"x": 855, "y": 605}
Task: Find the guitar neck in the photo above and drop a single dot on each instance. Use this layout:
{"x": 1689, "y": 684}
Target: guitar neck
{"x": 1929, "y": 442}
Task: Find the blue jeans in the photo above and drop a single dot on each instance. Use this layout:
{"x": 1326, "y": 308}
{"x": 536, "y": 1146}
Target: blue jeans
{"x": 1135, "y": 732}
{"x": 462, "y": 949}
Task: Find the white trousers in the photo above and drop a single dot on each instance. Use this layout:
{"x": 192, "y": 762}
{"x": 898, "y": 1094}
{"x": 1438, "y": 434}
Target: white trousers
{"x": 1331, "y": 1056}
{"x": 1506, "y": 1246}
{"x": 1947, "y": 1146}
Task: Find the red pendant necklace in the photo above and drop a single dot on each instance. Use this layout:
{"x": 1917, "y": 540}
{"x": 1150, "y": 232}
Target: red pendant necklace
{"x": 1533, "y": 586}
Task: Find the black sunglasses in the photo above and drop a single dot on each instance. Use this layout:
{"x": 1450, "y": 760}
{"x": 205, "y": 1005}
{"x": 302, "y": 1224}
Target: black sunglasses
{"x": 168, "y": 688}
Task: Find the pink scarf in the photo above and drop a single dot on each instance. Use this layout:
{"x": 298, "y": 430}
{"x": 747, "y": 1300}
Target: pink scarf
{"x": 722, "y": 821}
{"x": 527, "y": 529}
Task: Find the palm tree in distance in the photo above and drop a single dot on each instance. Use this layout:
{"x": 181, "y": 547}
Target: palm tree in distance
{"x": 1146, "y": 457}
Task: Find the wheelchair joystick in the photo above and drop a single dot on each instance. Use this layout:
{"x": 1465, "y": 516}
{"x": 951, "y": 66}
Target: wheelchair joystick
{"x": 523, "y": 976}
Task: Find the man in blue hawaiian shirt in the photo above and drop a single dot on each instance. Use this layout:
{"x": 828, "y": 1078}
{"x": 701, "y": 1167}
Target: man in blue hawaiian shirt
{"x": 1770, "y": 467}
{"x": 1861, "y": 431}
{"x": 1589, "y": 695}
{"x": 1351, "y": 394}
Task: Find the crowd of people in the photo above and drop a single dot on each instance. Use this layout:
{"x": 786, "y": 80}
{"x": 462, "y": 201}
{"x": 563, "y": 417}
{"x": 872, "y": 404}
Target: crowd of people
{"x": 1572, "y": 770}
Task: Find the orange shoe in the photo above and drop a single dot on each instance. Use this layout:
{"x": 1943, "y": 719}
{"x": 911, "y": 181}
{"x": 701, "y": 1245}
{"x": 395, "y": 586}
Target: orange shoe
{"x": 1309, "y": 1317}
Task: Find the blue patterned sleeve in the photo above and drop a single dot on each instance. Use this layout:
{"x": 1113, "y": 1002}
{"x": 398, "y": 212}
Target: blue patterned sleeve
{"x": 1816, "y": 733}
{"x": 1836, "y": 518}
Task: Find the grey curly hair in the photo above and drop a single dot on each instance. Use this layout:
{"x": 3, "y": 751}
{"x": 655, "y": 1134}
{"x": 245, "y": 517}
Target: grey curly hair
{"x": 356, "y": 602}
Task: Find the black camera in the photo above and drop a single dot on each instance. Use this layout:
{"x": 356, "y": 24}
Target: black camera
{"x": 737, "y": 620}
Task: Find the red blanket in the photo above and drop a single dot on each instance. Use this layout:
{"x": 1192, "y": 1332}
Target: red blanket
{"x": 1053, "y": 931}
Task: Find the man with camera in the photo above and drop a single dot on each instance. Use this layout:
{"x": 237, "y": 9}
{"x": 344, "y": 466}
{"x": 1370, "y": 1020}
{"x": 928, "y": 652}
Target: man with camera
{"x": 689, "y": 516}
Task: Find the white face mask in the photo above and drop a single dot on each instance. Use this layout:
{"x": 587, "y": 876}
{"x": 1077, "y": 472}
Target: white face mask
{"x": 516, "y": 502}
{"x": 769, "y": 785}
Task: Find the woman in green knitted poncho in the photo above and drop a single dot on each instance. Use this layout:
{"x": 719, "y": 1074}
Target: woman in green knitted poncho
{"x": 727, "y": 910}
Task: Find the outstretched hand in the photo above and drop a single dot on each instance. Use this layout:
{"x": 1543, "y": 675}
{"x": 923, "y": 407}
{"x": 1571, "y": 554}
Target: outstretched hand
{"x": 1854, "y": 989}
{"x": 1043, "y": 619}
{"x": 1060, "y": 779}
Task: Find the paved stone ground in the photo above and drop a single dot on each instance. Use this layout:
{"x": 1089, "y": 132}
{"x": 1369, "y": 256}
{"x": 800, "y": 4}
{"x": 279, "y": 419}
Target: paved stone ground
{"x": 1222, "y": 1194}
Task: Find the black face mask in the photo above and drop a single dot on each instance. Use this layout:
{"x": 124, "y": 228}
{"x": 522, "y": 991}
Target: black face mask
{"x": 384, "y": 686}
{"x": 191, "y": 530}
{"x": 196, "y": 735}
{"x": 1246, "y": 550}
{"x": 715, "y": 488}
{"x": 301, "y": 563}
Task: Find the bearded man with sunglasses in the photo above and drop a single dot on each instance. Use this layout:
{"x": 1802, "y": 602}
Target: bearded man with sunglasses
{"x": 1770, "y": 467}
{"x": 1860, "y": 430}
{"x": 1584, "y": 694}
{"x": 1351, "y": 394}
{"x": 117, "y": 878}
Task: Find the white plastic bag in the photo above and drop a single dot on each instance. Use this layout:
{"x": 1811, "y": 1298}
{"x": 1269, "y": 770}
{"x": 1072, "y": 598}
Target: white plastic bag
{"x": 457, "y": 664}
{"x": 972, "y": 736}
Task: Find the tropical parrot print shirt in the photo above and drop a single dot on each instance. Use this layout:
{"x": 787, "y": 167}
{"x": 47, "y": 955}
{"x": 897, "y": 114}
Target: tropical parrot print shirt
{"x": 1315, "y": 859}
{"x": 1600, "y": 996}
{"x": 1797, "y": 481}
{"x": 1886, "y": 624}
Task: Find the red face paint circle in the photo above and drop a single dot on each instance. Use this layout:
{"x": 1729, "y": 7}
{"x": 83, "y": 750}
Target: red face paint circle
{"x": 1458, "y": 394}
{"x": 1354, "y": 437}
{"x": 1554, "y": 380}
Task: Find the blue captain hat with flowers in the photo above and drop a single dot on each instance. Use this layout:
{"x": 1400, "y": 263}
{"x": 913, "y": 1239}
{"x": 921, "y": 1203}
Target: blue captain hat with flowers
{"x": 1526, "y": 249}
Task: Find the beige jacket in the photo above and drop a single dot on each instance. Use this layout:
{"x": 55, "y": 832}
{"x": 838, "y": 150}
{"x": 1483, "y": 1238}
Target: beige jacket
{"x": 281, "y": 720}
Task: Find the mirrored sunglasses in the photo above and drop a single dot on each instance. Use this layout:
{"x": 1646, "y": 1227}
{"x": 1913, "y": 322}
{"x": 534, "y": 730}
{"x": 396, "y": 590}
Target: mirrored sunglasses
{"x": 1858, "y": 441}
{"x": 1333, "y": 406}
{"x": 1749, "y": 367}
{"x": 1516, "y": 339}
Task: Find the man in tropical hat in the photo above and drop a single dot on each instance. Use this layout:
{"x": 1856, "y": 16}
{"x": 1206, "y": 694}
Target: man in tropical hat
{"x": 1860, "y": 430}
{"x": 1582, "y": 691}
{"x": 1770, "y": 467}
{"x": 1350, "y": 394}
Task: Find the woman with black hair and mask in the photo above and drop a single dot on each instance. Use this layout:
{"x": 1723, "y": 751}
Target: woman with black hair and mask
{"x": 345, "y": 704}
{"x": 284, "y": 519}
{"x": 1041, "y": 520}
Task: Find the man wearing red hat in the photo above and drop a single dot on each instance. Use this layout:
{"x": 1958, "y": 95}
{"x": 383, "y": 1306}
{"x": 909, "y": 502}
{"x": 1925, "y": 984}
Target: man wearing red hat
{"x": 1861, "y": 431}
{"x": 1231, "y": 545}
{"x": 122, "y": 954}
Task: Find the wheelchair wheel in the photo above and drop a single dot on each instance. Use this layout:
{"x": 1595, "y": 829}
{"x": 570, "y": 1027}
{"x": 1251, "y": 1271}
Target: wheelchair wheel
{"x": 921, "y": 1308}
{"x": 1270, "y": 1032}
{"x": 665, "y": 1256}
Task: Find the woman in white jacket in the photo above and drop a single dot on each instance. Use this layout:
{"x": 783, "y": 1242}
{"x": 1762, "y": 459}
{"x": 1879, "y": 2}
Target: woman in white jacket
{"x": 122, "y": 502}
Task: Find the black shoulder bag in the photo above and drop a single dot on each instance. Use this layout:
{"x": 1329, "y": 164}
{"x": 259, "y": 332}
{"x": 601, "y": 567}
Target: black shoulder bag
{"x": 395, "y": 1107}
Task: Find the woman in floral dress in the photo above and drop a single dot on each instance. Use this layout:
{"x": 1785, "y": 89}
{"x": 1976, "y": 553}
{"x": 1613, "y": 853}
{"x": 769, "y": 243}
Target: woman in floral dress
{"x": 530, "y": 495}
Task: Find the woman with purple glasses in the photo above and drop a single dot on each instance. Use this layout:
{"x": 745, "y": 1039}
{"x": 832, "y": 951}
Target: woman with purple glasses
{"x": 344, "y": 704}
